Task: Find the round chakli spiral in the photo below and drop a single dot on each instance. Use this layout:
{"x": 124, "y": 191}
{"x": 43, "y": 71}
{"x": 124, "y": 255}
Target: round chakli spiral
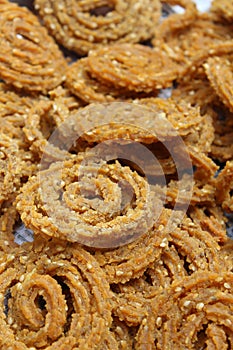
{"x": 29, "y": 58}
{"x": 53, "y": 296}
{"x": 195, "y": 43}
{"x": 96, "y": 203}
{"x": 133, "y": 66}
{"x": 195, "y": 313}
{"x": 84, "y": 25}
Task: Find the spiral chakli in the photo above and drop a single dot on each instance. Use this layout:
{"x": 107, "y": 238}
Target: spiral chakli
{"x": 81, "y": 83}
{"x": 194, "y": 313}
{"x": 184, "y": 251}
{"x": 53, "y": 296}
{"x": 29, "y": 58}
{"x": 84, "y": 25}
{"x": 104, "y": 208}
{"x": 133, "y": 66}
{"x": 195, "y": 43}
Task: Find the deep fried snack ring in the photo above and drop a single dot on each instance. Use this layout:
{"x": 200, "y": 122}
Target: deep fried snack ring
{"x": 195, "y": 43}
{"x": 86, "y": 25}
{"x": 106, "y": 204}
{"x": 185, "y": 250}
{"x": 80, "y": 82}
{"x": 185, "y": 119}
{"x": 220, "y": 73}
{"x": 193, "y": 305}
{"x": 29, "y": 58}
{"x": 40, "y": 123}
{"x": 57, "y": 298}
{"x": 224, "y": 187}
{"x": 133, "y": 66}
{"x": 223, "y": 9}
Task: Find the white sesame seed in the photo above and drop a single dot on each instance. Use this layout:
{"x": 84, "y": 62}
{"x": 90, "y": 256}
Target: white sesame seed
{"x": 119, "y": 273}
{"x": 21, "y": 278}
{"x": 187, "y": 303}
{"x": 89, "y": 266}
{"x": 159, "y": 321}
{"x": 227, "y": 286}
{"x": 200, "y": 306}
{"x": 10, "y": 320}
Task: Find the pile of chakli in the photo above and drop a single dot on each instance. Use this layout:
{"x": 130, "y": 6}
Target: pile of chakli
{"x": 125, "y": 195}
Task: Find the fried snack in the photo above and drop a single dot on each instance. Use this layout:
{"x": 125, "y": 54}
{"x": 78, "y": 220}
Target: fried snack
{"x": 123, "y": 335}
{"x": 45, "y": 116}
{"x": 184, "y": 251}
{"x": 194, "y": 44}
{"x": 57, "y": 298}
{"x": 133, "y": 66}
{"x": 87, "y": 25}
{"x": 80, "y": 82}
{"x": 222, "y": 147}
{"x": 40, "y": 124}
{"x": 64, "y": 103}
{"x": 227, "y": 252}
{"x": 224, "y": 187}
{"x": 121, "y": 120}
{"x": 29, "y": 58}
{"x": 128, "y": 262}
{"x": 197, "y": 92}
{"x": 219, "y": 72}
{"x": 195, "y": 129}
{"x": 195, "y": 312}
{"x": 106, "y": 204}
{"x": 223, "y": 9}
{"x": 14, "y": 167}
{"x": 8, "y": 219}
{"x": 187, "y": 250}
{"x": 131, "y": 307}
{"x": 211, "y": 218}
{"x": 177, "y": 21}
{"x": 14, "y": 107}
